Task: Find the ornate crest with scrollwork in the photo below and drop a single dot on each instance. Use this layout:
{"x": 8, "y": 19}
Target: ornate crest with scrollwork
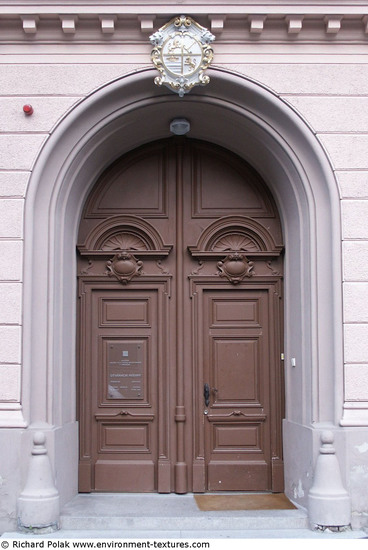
{"x": 235, "y": 267}
{"x": 124, "y": 267}
{"x": 182, "y": 52}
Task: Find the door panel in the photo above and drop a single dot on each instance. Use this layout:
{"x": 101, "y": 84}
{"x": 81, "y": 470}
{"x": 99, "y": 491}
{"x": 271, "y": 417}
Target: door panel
{"x": 180, "y": 273}
{"x": 116, "y": 192}
{"x": 224, "y": 185}
{"x": 234, "y": 364}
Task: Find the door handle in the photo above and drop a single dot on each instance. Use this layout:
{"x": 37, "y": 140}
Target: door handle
{"x": 206, "y": 394}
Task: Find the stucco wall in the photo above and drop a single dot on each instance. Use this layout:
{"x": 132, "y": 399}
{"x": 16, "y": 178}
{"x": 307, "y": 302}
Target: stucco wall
{"x": 328, "y": 96}
{"x": 327, "y": 87}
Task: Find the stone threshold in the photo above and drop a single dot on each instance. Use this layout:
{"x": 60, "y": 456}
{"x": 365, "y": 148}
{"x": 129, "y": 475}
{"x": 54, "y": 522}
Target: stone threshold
{"x": 169, "y": 512}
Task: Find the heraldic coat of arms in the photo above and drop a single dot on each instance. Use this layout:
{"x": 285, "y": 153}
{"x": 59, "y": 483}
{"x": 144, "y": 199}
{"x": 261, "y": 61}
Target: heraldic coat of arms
{"x": 182, "y": 52}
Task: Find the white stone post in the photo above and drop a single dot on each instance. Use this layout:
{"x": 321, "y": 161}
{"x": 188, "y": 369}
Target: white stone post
{"x": 38, "y": 504}
{"x": 329, "y": 502}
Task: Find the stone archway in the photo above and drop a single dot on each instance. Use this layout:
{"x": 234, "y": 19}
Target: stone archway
{"x": 282, "y": 148}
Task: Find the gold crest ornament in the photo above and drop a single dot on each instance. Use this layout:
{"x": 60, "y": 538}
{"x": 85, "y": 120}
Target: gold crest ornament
{"x": 182, "y": 52}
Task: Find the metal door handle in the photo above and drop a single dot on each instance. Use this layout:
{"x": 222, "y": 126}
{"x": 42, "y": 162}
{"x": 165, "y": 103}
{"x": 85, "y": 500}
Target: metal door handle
{"x": 206, "y": 394}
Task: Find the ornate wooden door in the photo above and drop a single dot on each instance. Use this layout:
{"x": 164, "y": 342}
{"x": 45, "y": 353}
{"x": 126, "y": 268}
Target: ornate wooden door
{"x": 180, "y": 325}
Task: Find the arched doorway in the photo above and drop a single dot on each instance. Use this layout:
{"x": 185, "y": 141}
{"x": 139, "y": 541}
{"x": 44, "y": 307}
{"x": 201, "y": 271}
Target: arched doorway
{"x": 180, "y": 322}
{"x": 289, "y": 158}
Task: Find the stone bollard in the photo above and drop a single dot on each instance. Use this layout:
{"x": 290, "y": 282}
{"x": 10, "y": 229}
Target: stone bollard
{"x": 38, "y": 503}
{"x": 329, "y": 503}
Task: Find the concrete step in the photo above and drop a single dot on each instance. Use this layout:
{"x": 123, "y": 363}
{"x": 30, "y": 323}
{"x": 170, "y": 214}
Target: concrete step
{"x": 153, "y": 516}
{"x": 168, "y": 512}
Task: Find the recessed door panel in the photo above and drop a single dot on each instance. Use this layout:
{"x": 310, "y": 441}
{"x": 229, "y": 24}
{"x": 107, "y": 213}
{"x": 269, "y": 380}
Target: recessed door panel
{"x": 127, "y": 476}
{"x": 222, "y": 185}
{"x": 235, "y": 372}
{"x": 136, "y": 184}
{"x": 127, "y": 312}
{"x": 124, "y": 437}
{"x": 247, "y": 476}
{"x": 239, "y": 437}
{"x": 233, "y": 313}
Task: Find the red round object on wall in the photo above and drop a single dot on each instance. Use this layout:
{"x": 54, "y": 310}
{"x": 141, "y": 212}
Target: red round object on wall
{"x": 28, "y": 109}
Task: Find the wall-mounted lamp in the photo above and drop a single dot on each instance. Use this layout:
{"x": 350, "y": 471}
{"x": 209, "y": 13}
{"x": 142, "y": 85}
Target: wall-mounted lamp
{"x": 179, "y": 126}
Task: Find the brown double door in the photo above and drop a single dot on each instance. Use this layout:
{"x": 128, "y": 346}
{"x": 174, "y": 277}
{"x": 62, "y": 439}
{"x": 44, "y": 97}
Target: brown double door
{"x": 180, "y": 324}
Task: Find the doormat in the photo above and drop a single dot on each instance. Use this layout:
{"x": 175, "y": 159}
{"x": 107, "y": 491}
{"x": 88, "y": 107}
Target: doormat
{"x": 271, "y": 501}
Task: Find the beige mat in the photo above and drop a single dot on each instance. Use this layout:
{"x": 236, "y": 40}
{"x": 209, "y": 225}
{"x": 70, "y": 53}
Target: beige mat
{"x": 265, "y": 501}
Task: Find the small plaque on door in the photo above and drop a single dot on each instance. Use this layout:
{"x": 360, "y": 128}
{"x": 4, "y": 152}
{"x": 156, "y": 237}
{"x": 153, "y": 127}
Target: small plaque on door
{"x": 125, "y": 370}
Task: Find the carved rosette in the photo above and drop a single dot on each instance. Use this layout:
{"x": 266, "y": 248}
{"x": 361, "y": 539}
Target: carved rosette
{"x": 124, "y": 241}
{"x": 236, "y": 242}
{"x": 124, "y": 266}
{"x": 235, "y": 267}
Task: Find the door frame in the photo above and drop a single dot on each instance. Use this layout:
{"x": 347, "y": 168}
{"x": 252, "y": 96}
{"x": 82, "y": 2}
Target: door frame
{"x": 288, "y": 154}
{"x": 244, "y": 246}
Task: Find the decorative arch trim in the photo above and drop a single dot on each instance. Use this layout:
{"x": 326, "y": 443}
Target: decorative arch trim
{"x": 279, "y": 145}
{"x": 235, "y": 234}
{"x": 120, "y": 233}
{"x": 289, "y": 157}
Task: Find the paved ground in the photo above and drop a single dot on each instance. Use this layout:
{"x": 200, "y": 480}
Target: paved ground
{"x": 152, "y": 516}
{"x": 197, "y": 535}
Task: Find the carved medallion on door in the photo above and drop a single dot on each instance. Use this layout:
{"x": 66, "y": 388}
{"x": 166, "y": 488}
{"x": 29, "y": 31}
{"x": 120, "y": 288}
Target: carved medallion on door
{"x": 180, "y": 325}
